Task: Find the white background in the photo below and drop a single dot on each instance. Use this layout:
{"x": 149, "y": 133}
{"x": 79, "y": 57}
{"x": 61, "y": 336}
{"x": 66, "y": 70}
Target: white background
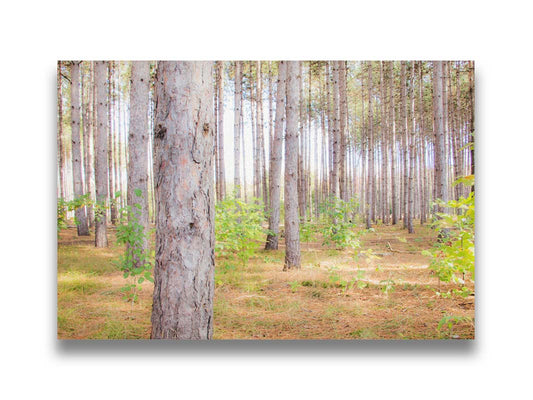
{"x": 496, "y": 35}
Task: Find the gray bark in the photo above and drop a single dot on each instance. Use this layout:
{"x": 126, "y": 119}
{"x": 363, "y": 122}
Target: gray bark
{"x": 342, "y": 130}
{"x": 392, "y": 118}
{"x": 100, "y": 151}
{"x": 60, "y": 161}
{"x": 138, "y": 150}
{"x": 221, "y": 178}
{"x": 275, "y": 161}
{"x": 411, "y": 194}
{"x": 185, "y": 238}
{"x": 237, "y": 130}
{"x": 370, "y": 192}
{"x": 81, "y": 216}
{"x": 292, "y": 224}
{"x": 441, "y": 186}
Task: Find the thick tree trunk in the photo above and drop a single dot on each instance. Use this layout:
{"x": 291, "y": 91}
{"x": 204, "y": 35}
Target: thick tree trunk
{"x": 237, "y": 130}
{"x": 185, "y": 238}
{"x": 292, "y": 225}
{"x": 138, "y": 152}
{"x": 100, "y": 151}
{"x": 275, "y": 161}
{"x": 81, "y": 216}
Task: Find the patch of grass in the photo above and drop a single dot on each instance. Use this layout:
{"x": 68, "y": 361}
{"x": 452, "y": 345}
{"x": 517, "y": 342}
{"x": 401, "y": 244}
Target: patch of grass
{"x": 363, "y": 333}
{"x": 67, "y": 320}
{"x": 117, "y": 329}
{"x": 78, "y": 282}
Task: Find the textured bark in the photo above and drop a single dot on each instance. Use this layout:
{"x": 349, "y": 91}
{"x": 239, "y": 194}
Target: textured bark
{"x": 221, "y": 178}
{"x": 335, "y": 133}
{"x": 441, "y": 186}
{"x": 111, "y": 143}
{"x": 100, "y": 151}
{"x": 423, "y": 194}
{"x": 292, "y": 224}
{"x": 237, "y": 130}
{"x": 411, "y": 194}
{"x": 301, "y": 147}
{"x": 394, "y": 197}
{"x": 342, "y": 130}
{"x": 384, "y": 146}
{"x": 185, "y": 239}
{"x": 138, "y": 150}
{"x": 60, "y": 161}
{"x": 261, "y": 136}
{"x": 405, "y": 142}
{"x": 275, "y": 161}
{"x": 81, "y": 216}
{"x": 87, "y": 143}
{"x": 471, "y": 92}
{"x": 370, "y": 193}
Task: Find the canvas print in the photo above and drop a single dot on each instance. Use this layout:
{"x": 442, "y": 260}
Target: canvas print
{"x": 265, "y": 200}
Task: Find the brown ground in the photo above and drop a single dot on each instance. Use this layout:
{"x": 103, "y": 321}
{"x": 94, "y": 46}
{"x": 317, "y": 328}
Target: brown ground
{"x": 392, "y": 298}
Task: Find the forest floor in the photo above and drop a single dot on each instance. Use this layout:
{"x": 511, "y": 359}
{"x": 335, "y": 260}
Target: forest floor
{"x": 391, "y": 295}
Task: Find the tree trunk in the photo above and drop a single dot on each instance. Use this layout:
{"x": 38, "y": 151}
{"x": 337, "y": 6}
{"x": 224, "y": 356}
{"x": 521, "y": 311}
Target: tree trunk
{"x": 111, "y": 145}
{"x": 87, "y": 143}
{"x": 185, "y": 237}
{"x": 81, "y": 216}
{"x": 260, "y": 134}
{"x": 221, "y": 178}
{"x": 342, "y": 130}
{"x": 471, "y": 92}
{"x": 370, "y": 193}
{"x": 392, "y": 118}
{"x": 138, "y": 153}
{"x": 100, "y": 151}
{"x": 411, "y": 193}
{"x": 60, "y": 161}
{"x": 441, "y": 183}
{"x": 292, "y": 225}
{"x": 275, "y": 161}
{"x": 237, "y": 130}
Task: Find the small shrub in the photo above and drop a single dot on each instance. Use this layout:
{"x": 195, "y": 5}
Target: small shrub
{"x": 238, "y": 228}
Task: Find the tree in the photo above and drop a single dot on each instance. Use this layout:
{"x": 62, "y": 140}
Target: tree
{"x": 237, "y": 129}
{"x": 292, "y": 225}
{"x": 221, "y": 176}
{"x": 138, "y": 153}
{"x": 100, "y": 151}
{"x": 81, "y": 216}
{"x": 60, "y": 160}
{"x": 185, "y": 236}
{"x": 370, "y": 193}
{"x": 275, "y": 161}
{"x": 441, "y": 175}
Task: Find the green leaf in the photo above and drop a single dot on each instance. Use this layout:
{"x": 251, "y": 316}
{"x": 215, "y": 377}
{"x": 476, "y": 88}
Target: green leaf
{"x": 138, "y": 192}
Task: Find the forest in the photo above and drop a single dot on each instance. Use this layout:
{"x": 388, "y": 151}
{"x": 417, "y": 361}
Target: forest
{"x": 265, "y": 199}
